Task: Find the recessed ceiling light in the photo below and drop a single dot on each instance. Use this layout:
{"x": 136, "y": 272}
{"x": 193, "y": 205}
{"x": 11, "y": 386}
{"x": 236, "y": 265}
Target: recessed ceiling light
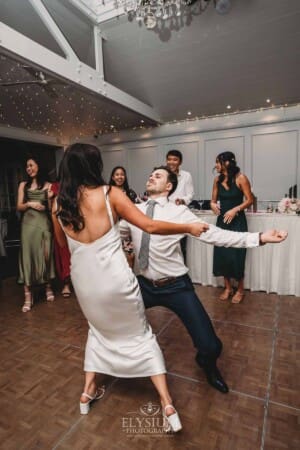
{"x": 228, "y": 106}
{"x": 268, "y": 100}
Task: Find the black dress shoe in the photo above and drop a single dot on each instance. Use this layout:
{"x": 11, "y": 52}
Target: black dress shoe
{"x": 213, "y": 376}
{"x": 215, "y": 379}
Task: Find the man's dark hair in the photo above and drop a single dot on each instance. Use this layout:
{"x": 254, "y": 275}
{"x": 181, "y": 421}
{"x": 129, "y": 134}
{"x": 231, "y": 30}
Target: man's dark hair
{"x": 172, "y": 177}
{"x": 176, "y": 153}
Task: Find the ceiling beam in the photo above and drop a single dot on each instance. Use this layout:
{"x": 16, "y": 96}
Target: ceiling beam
{"x": 72, "y": 70}
{"x": 83, "y": 7}
{"x": 53, "y": 29}
{"x": 109, "y": 11}
{"x": 31, "y": 136}
{"x": 98, "y": 50}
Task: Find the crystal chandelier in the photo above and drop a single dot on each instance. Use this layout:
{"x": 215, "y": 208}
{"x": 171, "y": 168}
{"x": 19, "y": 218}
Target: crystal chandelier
{"x": 151, "y": 12}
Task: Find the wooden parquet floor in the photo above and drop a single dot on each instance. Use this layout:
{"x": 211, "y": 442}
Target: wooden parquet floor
{"x": 41, "y": 379}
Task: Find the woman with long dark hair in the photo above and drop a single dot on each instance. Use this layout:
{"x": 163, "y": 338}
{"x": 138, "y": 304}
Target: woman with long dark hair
{"x": 36, "y": 265}
{"x": 119, "y": 179}
{"x": 232, "y": 189}
{"x": 120, "y": 340}
{"x": 61, "y": 254}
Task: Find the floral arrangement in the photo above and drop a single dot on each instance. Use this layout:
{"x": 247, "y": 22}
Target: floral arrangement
{"x": 289, "y": 205}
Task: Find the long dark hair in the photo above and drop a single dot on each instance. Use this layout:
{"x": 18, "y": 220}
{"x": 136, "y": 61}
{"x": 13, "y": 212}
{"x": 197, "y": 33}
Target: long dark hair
{"x": 40, "y": 176}
{"x": 231, "y": 167}
{"x": 81, "y": 166}
{"x": 125, "y": 185}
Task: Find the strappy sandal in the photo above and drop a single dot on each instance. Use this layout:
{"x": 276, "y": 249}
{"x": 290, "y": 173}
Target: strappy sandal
{"x": 28, "y": 302}
{"x": 49, "y": 295}
{"x": 85, "y": 407}
{"x": 66, "y": 293}
{"x": 225, "y": 294}
{"x": 172, "y": 422}
{"x": 238, "y": 297}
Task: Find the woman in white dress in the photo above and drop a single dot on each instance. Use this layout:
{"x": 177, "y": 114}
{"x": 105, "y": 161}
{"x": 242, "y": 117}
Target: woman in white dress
{"x": 120, "y": 340}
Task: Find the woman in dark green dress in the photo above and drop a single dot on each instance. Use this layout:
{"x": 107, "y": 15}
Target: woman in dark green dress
{"x": 233, "y": 191}
{"x": 36, "y": 263}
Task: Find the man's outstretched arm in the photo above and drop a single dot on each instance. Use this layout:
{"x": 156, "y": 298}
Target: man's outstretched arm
{"x": 225, "y": 238}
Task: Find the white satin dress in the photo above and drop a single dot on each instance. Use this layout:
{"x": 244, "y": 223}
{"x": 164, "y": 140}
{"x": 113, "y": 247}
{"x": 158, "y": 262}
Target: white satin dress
{"x": 120, "y": 340}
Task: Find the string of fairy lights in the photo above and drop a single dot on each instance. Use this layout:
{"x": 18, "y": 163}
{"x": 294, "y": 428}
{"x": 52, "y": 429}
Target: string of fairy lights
{"x": 72, "y": 114}
{"x": 234, "y": 113}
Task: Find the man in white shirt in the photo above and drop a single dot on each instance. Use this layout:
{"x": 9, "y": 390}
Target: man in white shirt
{"x": 184, "y": 192}
{"x": 164, "y": 280}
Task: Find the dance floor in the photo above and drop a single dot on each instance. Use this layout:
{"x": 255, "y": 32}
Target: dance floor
{"x": 41, "y": 380}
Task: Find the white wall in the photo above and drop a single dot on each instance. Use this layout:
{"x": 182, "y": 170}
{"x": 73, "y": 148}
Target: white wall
{"x": 269, "y": 154}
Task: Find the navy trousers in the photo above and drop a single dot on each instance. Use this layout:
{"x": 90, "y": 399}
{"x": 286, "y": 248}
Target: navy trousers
{"x": 180, "y": 297}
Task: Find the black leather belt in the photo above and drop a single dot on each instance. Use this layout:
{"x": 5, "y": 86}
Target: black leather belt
{"x": 162, "y": 281}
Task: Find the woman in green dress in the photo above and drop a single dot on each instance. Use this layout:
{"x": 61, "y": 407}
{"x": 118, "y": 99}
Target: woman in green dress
{"x": 36, "y": 263}
{"x": 232, "y": 189}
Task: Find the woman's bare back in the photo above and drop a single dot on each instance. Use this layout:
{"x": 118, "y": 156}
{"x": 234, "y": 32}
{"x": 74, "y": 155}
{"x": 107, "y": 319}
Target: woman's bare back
{"x": 96, "y": 219}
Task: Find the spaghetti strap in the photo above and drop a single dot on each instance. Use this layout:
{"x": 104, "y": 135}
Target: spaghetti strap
{"x": 108, "y": 207}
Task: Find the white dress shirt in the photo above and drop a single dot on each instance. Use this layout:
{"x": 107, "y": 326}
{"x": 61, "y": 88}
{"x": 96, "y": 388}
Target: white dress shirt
{"x": 165, "y": 256}
{"x": 185, "y": 188}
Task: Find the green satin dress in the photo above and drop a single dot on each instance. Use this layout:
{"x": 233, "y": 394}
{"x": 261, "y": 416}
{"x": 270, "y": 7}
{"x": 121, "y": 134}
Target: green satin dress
{"x": 36, "y": 261}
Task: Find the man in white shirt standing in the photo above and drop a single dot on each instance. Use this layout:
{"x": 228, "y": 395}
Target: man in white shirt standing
{"x": 163, "y": 278}
{"x": 184, "y": 192}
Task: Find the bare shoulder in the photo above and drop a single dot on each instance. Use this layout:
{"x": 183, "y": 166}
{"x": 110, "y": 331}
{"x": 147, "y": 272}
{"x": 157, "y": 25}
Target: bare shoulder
{"x": 115, "y": 196}
{"x": 112, "y": 190}
{"x": 241, "y": 178}
{"x": 22, "y": 185}
{"x": 115, "y": 193}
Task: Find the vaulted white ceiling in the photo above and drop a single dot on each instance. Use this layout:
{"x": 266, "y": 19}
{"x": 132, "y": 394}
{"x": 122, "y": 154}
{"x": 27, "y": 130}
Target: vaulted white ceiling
{"x": 200, "y": 63}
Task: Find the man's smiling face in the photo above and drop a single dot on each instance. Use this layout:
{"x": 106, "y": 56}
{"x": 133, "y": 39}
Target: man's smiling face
{"x": 158, "y": 183}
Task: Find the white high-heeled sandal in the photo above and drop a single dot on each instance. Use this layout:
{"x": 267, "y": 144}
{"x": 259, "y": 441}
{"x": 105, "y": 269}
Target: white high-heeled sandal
{"x": 49, "y": 295}
{"x": 85, "y": 407}
{"x": 28, "y": 302}
{"x": 172, "y": 422}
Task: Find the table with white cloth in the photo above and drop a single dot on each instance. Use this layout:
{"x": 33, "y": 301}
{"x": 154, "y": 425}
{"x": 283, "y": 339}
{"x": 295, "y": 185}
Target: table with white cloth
{"x": 270, "y": 268}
